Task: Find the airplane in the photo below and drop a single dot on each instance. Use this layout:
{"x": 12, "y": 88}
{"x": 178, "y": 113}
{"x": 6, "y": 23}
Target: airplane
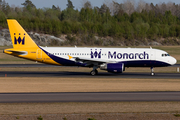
{"x": 113, "y": 60}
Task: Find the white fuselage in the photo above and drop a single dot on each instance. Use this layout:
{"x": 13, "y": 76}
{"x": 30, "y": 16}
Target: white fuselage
{"x": 131, "y": 57}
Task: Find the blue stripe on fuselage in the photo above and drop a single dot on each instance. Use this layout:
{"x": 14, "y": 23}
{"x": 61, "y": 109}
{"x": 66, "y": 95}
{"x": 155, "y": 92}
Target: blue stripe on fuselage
{"x": 63, "y": 61}
{"x": 60, "y": 60}
{"x": 145, "y": 63}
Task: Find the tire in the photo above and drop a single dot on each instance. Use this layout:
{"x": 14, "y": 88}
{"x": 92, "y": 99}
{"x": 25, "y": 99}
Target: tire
{"x": 93, "y": 72}
{"x": 152, "y": 74}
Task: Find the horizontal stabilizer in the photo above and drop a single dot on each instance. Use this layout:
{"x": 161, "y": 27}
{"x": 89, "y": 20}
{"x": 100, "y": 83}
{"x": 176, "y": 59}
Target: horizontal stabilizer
{"x": 17, "y": 52}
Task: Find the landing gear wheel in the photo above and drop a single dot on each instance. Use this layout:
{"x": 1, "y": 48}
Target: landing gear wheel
{"x": 152, "y": 74}
{"x": 93, "y": 72}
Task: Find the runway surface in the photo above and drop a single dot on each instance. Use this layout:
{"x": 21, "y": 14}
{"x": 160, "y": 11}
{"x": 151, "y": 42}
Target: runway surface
{"x": 89, "y": 97}
{"x": 87, "y": 75}
{"x": 79, "y": 74}
{"x": 85, "y": 97}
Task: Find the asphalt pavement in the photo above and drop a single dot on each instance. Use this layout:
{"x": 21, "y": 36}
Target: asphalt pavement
{"x": 87, "y": 75}
{"x": 89, "y": 97}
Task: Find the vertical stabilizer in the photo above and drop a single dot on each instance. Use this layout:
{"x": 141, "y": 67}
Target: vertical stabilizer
{"x": 20, "y": 38}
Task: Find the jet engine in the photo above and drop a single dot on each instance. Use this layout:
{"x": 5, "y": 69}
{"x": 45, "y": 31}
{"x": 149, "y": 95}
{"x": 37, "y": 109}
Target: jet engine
{"x": 113, "y": 67}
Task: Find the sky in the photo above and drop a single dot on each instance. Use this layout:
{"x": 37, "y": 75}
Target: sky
{"x": 77, "y": 3}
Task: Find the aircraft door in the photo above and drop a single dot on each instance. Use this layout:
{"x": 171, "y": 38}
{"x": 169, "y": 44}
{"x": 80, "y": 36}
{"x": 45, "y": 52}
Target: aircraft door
{"x": 153, "y": 55}
{"x": 39, "y": 54}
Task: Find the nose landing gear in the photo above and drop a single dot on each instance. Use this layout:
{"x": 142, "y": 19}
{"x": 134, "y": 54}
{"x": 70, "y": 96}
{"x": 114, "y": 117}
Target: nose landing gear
{"x": 152, "y": 71}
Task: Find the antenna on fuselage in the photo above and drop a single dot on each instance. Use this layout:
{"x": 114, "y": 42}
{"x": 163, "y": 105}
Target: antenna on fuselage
{"x": 75, "y": 46}
{"x": 150, "y": 47}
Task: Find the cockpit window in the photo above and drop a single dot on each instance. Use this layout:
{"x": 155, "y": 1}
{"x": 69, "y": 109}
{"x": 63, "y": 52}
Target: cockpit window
{"x": 164, "y": 55}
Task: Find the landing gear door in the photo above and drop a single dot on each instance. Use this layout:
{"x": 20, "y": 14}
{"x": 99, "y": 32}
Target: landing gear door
{"x": 153, "y": 55}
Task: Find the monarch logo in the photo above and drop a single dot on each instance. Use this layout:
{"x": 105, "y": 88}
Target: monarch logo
{"x": 96, "y": 54}
{"x": 19, "y": 40}
{"x": 116, "y": 55}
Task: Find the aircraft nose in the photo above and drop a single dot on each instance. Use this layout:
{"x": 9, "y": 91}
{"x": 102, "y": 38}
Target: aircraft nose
{"x": 173, "y": 61}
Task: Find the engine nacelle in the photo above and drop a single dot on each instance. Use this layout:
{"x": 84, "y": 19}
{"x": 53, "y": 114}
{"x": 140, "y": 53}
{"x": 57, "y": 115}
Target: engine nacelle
{"x": 113, "y": 67}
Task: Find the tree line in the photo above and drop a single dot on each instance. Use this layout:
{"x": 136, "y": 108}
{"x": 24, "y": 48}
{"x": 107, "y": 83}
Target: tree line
{"x": 126, "y": 21}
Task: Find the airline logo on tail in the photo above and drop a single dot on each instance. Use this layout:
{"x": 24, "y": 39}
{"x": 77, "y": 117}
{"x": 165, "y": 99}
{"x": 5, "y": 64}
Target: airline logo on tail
{"x": 19, "y": 40}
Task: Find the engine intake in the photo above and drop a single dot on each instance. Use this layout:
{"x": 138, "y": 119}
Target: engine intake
{"x": 113, "y": 67}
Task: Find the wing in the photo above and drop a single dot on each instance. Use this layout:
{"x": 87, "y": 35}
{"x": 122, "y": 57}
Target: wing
{"x": 92, "y": 62}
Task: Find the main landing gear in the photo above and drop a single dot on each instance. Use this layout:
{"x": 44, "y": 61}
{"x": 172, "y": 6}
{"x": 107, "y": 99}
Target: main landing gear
{"x": 152, "y": 71}
{"x": 94, "y": 71}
